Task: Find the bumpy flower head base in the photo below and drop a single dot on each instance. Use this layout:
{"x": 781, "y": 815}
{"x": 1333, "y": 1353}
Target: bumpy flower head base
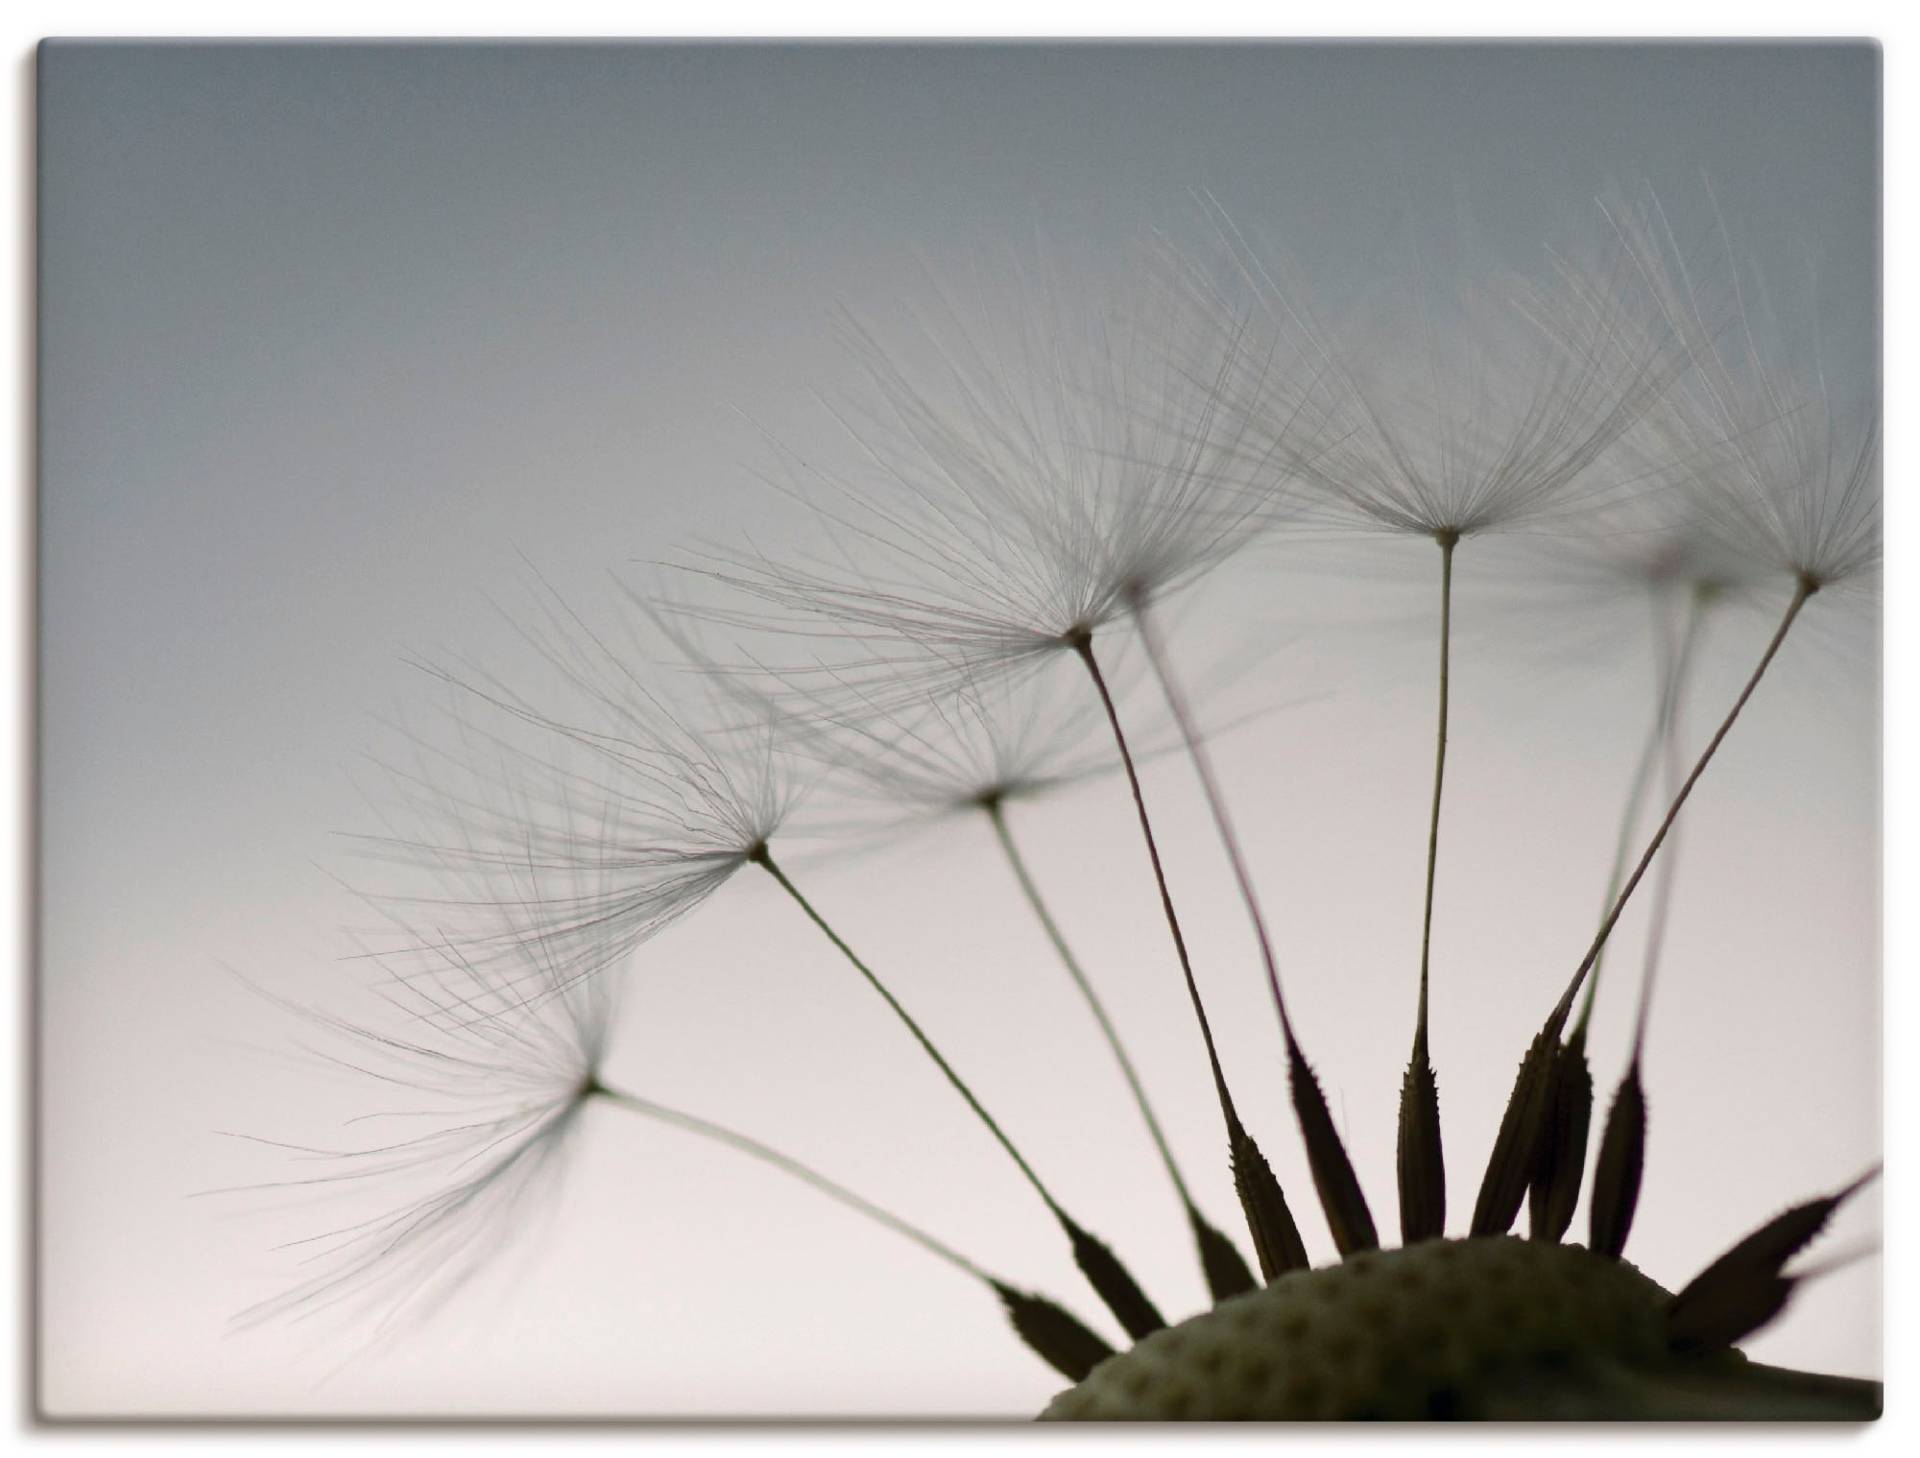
{"x": 1489, "y": 1327}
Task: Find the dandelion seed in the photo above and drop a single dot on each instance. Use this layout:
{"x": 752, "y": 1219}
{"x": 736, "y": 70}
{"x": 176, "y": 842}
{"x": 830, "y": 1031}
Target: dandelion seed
{"x": 1781, "y": 473}
{"x": 1276, "y": 1238}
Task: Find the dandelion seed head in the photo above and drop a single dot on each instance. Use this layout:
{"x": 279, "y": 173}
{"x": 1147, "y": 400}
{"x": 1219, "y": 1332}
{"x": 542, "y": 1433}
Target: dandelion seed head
{"x": 974, "y": 746}
{"x": 1035, "y": 480}
{"x": 1451, "y": 412}
{"x": 599, "y": 825}
{"x": 481, "y": 1067}
{"x": 1649, "y": 543}
{"x": 1781, "y": 470}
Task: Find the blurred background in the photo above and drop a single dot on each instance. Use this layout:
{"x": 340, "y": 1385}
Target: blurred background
{"x": 333, "y": 336}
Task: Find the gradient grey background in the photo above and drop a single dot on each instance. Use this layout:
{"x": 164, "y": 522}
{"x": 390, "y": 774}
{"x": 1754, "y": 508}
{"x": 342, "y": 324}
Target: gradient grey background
{"x": 329, "y": 334}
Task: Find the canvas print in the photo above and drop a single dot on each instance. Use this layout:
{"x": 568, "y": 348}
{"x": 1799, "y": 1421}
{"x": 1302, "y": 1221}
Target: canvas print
{"x": 1087, "y": 732}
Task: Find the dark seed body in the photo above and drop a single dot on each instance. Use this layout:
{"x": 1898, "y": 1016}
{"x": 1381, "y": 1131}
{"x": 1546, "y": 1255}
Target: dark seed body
{"x": 1563, "y": 1156}
{"x": 1057, "y": 1335}
{"x": 1124, "y": 1298}
{"x": 1226, "y": 1269}
{"x": 1516, "y": 1146}
{"x": 1421, "y": 1166}
{"x": 1617, "y": 1171}
{"x": 1744, "y": 1289}
{"x": 1334, "y": 1181}
{"x": 1276, "y": 1239}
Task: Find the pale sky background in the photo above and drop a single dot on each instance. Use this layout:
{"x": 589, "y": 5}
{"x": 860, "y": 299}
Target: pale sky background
{"x": 331, "y": 334}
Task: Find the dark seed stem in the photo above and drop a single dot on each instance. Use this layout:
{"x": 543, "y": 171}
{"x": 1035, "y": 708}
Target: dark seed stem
{"x": 1101, "y": 1267}
{"x": 1663, "y": 883}
{"x": 1216, "y": 807}
{"x": 996, "y": 815}
{"x": 1341, "y": 1197}
{"x": 1630, "y": 817}
{"x": 1448, "y": 541}
{"x": 1276, "y": 1240}
{"x": 765, "y": 859}
{"x": 1674, "y": 668}
{"x": 1226, "y": 1272}
{"x": 1420, "y": 1161}
{"x": 1084, "y": 647}
{"x": 767, "y": 1154}
{"x": 1803, "y": 590}
{"x": 1054, "y": 1333}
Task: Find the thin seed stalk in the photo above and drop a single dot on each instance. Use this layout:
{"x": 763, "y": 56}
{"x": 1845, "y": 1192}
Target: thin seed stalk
{"x": 1276, "y": 1240}
{"x": 1103, "y": 1269}
{"x": 1054, "y": 1333}
{"x": 1803, "y": 590}
{"x": 1083, "y": 645}
{"x": 1341, "y": 1197}
{"x": 1663, "y": 885}
{"x": 1659, "y": 733}
{"x": 1623, "y": 841}
{"x": 1448, "y": 541}
{"x": 1419, "y": 1156}
{"x": 787, "y": 1164}
{"x": 1226, "y": 1273}
{"x": 996, "y": 816}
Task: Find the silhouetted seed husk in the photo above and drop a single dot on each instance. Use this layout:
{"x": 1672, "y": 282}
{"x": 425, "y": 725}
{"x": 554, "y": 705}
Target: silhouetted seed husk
{"x": 1102, "y": 1268}
{"x": 1616, "y": 1173}
{"x": 1563, "y": 1157}
{"x": 1220, "y": 1258}
{"x": 1054, "y": 1333}
{"x": 1744, "y": 1289}
{"x": 1736, "y": 1310}
{"x": 1516, "y": 1148}
{"x": 1339, "y": 1189}
{"x": 1422, "y": 1165}
{"x": 1276, "y": 1239}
